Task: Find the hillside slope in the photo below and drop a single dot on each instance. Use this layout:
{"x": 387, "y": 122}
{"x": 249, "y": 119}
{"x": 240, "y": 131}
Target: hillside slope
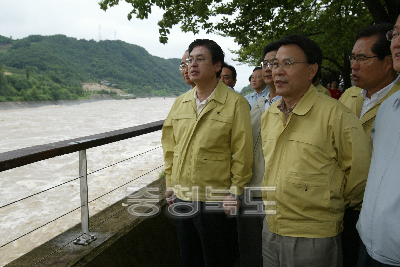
{"x": 68, "y": 62}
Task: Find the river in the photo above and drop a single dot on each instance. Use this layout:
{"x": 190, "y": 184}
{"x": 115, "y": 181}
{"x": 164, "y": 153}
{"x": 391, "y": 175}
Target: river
{"x": 25, "y": 127}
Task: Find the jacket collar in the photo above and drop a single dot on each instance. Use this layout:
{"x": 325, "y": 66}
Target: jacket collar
{"x": 370, "y": 114}
{"x": 306, "y": 102}
{"x": 220, "y": 94}
{"x": 260, "y": 104}
{"x": 395, "y": 88}
{"x": 303, "y": 106}
{"x": 355, "y": 92}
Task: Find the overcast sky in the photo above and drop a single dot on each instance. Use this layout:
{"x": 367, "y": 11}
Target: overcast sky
{"x": 81, "y": 19}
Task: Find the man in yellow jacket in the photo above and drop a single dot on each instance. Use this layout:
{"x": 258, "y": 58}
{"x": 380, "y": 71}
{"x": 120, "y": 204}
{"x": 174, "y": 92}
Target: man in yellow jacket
{"x": 316, "y": 154}
{"x": 207, "y": 144}
{"x": 375, "y": 80}
{"x": 373, "y": 74}
{"x": 320, "y": 88}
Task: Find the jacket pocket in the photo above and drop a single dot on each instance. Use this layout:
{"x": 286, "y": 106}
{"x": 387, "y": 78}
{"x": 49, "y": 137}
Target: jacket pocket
{"x": 215, "y": 133}
{"x": 221, "y": 118}
{"x": 307, "y": 153}
{"x": 213, "y": 169}
{"x": 309, "y": 139}
{"x": 306, "y": 197}
{"x": 181, "y": 125}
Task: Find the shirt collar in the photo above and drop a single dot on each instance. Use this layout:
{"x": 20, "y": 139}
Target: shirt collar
{"x": 204, "y": 101}
{"x": 282, "y": 107}
{"x": 381, "y": 93}
{"x": 267, "y": 99}
{"x": 261, "y": 93}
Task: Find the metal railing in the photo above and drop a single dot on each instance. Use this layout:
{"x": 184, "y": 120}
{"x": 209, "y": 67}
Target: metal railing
{"x": 24, "y": 156}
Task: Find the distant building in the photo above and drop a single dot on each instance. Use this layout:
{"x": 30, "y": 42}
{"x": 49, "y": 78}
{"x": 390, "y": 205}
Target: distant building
{"x": 105, "y": 82}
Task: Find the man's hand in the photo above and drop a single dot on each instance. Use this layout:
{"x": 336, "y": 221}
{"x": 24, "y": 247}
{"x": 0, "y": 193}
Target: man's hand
{"x": 169, "y": 196}
{"x": 231, "y": 205}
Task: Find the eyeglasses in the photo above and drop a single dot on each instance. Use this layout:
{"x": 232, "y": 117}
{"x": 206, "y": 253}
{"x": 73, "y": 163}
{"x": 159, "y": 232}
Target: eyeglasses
{"x": 183, "y": 66}
{"x": 392, "y": 35}
{"x": 198, "y": 60}
{"x": 265, "y": 64}
{"x": 286, "y": 64}
{"x": 359, "y": 58}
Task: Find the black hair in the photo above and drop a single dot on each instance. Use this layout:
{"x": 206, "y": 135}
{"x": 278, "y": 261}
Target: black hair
{"x": 232, "y": 68}
{"x": 273, "y": 46}
{"x": 310, "y": 48}
{"x": 382, "y": 46}
{"x": 217, "y": 55}
{"x": 256, "y": 68}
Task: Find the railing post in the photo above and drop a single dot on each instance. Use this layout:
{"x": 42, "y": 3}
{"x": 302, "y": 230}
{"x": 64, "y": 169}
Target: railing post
{"x": 86, "y": 238}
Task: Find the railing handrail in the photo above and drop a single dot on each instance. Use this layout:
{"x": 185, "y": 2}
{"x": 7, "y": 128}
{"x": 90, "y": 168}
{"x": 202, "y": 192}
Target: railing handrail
{"x": 24, "y": 156}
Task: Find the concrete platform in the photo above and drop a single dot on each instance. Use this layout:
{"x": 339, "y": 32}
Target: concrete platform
{"x": 122, "y": 240}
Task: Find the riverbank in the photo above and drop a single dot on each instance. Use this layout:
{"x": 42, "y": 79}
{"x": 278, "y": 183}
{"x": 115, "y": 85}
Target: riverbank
{"x": 37, "y": 104}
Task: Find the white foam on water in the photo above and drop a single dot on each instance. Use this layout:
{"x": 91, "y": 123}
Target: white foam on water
{"x": 28, "y": 127}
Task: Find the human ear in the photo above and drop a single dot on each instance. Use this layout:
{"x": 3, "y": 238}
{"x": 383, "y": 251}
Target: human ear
{"x": 312, "y": 70}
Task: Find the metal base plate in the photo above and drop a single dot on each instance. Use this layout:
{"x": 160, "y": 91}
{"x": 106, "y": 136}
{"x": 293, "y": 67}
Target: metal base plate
{"x": 84, "y": 241}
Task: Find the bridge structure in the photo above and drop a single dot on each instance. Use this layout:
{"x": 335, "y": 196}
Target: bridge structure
{"x": 135, "y": 231}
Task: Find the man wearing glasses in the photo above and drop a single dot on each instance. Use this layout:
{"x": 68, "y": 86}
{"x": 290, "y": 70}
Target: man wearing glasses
{"x": 251, "y": 217}
{"x": 207, "y": 146}
{"x": 378, "y": 224}
{"x": 375, "y": 80}
{"x": 315, "y": 153}
{"x": 373, "y": 74}
{"x": 183, "y": 67}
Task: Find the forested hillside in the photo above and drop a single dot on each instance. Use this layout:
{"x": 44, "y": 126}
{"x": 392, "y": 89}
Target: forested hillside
{"x": 54, "y": 67}
{"x": 247, "y": 90}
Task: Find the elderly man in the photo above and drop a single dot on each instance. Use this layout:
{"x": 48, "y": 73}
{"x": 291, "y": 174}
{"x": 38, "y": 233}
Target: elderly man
{"x": 315, "y": 153}
{"x": 259, "y": 86}
{"x": 228, "y": 75}
{"x": 375, "y": 80}
{"x": 207, "y": 146}
{"x": 373, "y": 74}
{"x": 251, "y": 217}
{"x": 378, "y": 224}
{"x": 183, "y": 67}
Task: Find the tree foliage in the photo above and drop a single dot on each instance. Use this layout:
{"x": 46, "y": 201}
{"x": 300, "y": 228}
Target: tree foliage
{"x": 53, "y": 67}
{"x": 247, "y": 90}
{"x": 3, "y": 80}
{"x": 332, "y": 24}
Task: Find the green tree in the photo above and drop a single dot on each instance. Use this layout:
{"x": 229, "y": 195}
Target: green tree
{"x": 68, "y": 61}
{"x": 27, "y": 73}
{"x": 246, "y": 90}
{"x": 147, "y": 89}
{"x": 3, "y": 81}
{"x": 18, "y": 82}
{"x": 254, "y": 23}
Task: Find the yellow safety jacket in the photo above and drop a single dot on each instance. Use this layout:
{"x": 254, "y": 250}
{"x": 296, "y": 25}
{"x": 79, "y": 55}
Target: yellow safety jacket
{"x": 212, "y": 150}
{"x": 318, "y": 162}
{"x": 320, "y": 88}
{"x": 353, "y": 99}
